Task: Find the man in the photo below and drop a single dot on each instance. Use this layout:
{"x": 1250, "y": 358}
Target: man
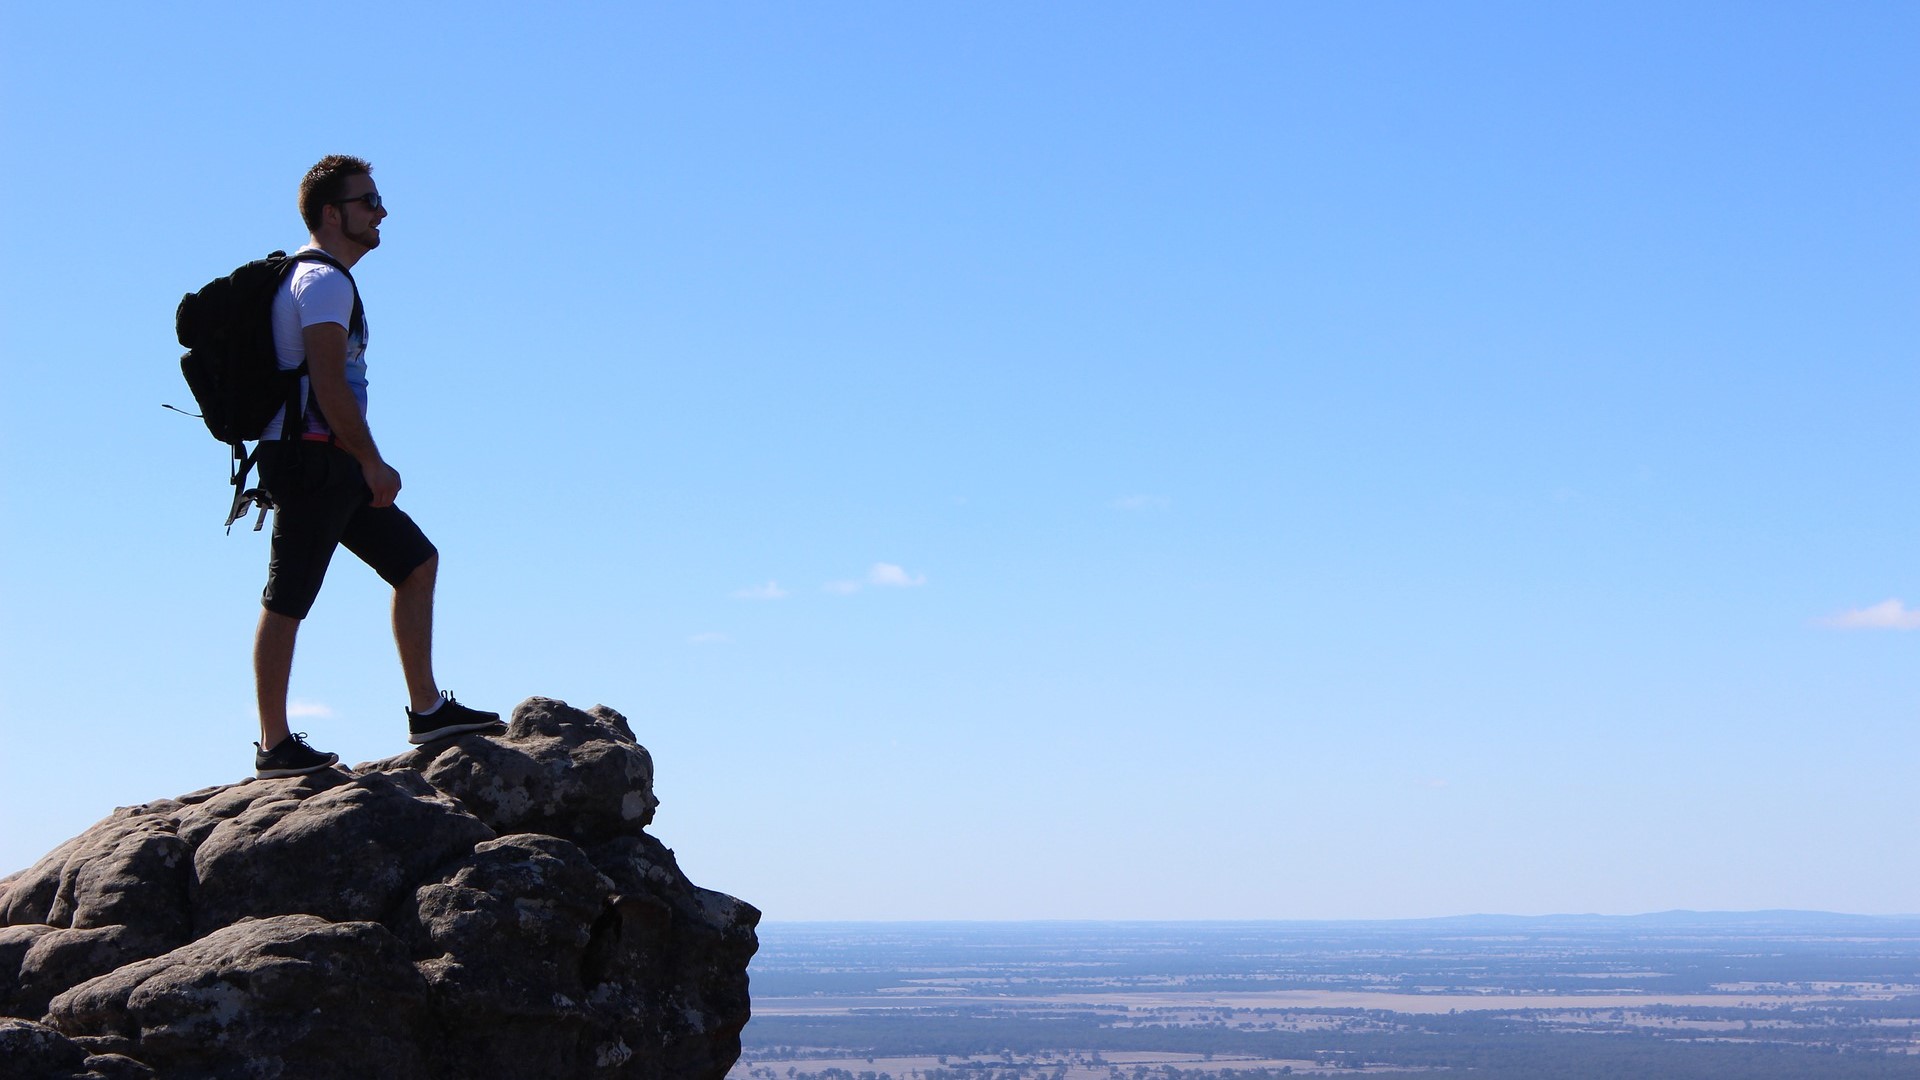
{"x": 329, "y": 484}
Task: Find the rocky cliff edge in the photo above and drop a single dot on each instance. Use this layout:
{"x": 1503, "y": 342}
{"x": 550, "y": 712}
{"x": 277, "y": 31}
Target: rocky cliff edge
{"x": 487, "y": 905}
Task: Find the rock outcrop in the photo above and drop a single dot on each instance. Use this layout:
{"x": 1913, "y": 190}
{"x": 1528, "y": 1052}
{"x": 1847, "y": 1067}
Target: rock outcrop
{"x": 483, "y": 906}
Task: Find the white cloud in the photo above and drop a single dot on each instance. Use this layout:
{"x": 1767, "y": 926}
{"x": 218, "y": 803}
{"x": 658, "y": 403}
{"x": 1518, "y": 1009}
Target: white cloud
{"x": 308, "y": 710}
{"x": 709, "y": 637}
{"x": 884, "y": 575}
{"x": 1142, "y": 503}
{"x": 887, "y": 574}
{"x": 1885, "y": 615}
{"x": 770, "y": 591}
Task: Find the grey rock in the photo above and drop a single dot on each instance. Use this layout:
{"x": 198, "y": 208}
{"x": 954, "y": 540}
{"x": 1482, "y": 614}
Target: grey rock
{"x": 485, "y": 905}
{"x": 64, "y": 957}
{"x": 15, "y": 943}
{"x": 115, "y": 1067}
{"x": 281, "y": 996}
{"x": 105, "y": 1045}
{"x": 203, "y": 811}
{"x": 347, "y": 853}
{"x": 30, "y": 893}
{"x": 562, "y": 771}
{"x": 33, "y": 1051}
{"x": 138, "y": 873}
{"x": 658, "y": 924}
{"x": 30, "y": 1051}
{"x": 509, "y": 927}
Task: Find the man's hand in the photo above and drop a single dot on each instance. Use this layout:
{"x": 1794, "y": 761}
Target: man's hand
{"x": 384, "y": 481}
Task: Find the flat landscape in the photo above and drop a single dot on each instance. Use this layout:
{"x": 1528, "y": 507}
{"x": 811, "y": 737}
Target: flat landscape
{"x": 1675, "y": 995}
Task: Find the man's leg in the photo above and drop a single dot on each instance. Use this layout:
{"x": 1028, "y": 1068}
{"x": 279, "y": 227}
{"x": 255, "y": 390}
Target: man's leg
{"x": 413, "y": 633}
{"x": 272, "y": 671}
{"x": 281, "y": 753}
{"x": 309, "y": 516}
{"x": 386, "y": 539}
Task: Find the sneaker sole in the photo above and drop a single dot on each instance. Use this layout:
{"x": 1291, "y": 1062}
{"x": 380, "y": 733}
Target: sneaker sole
{"x": 419, "y": 737}
{"x": 282, "y": 774}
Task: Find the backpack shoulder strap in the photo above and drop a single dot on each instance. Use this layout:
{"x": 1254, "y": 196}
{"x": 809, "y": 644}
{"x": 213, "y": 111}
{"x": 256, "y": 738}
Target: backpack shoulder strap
{"x": 357, "y": 322}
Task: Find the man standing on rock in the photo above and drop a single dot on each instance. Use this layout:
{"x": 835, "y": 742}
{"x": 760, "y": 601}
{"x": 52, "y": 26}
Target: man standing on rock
{"x": 330, "y": 486}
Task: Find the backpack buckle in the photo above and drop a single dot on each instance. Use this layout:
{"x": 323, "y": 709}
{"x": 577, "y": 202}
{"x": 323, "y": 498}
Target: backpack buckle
{"x": 244, "y": 497}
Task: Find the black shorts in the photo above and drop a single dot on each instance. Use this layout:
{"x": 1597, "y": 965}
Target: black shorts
{"x": 321, "y": 502}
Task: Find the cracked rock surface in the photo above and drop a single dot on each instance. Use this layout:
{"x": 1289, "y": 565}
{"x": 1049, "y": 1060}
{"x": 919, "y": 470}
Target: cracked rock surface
{"x": 487, "y": 905}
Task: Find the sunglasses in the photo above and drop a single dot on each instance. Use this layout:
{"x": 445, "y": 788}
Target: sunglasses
{"x": 371, "y": 198}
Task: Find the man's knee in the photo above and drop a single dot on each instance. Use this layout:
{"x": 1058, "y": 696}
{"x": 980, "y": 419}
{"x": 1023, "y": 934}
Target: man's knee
{"x": 422, "y": 576}
{"x": 279, "y": 622}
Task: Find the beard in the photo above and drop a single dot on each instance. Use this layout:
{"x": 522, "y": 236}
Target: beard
{"x": 367, "y": 238}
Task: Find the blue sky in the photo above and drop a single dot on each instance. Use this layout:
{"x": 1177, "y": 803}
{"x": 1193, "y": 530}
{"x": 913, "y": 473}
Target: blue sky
{"x": 1032, "y": 461}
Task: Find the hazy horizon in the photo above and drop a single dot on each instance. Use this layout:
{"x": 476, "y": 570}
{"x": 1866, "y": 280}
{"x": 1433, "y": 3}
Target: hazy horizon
{"x": 1464, "y": 916}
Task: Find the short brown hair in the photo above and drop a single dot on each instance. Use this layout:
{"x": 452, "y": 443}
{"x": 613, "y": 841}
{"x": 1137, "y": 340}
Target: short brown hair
{"x": 324, "y": 183}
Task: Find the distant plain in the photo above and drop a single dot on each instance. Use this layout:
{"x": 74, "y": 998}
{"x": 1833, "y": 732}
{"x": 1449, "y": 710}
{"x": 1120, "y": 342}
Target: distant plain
{"x": 1679, "y": 995}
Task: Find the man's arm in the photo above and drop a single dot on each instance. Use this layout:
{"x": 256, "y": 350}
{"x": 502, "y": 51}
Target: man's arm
{"x": 327, "y": 374}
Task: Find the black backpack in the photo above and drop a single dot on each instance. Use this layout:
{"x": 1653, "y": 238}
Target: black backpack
{"x": 232, "y": 368}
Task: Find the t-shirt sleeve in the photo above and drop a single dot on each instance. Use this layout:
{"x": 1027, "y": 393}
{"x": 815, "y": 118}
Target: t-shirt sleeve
{"x": 323, "y": 296}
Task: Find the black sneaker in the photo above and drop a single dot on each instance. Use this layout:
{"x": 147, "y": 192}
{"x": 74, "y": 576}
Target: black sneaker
{"x": 451, "y": 718}
{"x": 290, "y": 756}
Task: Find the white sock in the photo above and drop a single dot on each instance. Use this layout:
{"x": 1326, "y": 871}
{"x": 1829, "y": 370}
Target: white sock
{"x": 431, "y": 709}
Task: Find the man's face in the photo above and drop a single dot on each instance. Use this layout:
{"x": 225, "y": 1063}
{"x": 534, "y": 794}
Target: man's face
{"x": 359, "y": 222}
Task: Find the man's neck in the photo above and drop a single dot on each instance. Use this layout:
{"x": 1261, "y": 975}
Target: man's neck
{"x": 343, "y": 250}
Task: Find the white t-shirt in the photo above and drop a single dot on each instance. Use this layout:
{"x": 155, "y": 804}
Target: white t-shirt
{"x": 316, "y": 292}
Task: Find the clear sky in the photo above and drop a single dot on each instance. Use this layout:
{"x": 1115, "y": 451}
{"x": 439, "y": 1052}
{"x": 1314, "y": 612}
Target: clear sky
{"x": 1070, "y": 460}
